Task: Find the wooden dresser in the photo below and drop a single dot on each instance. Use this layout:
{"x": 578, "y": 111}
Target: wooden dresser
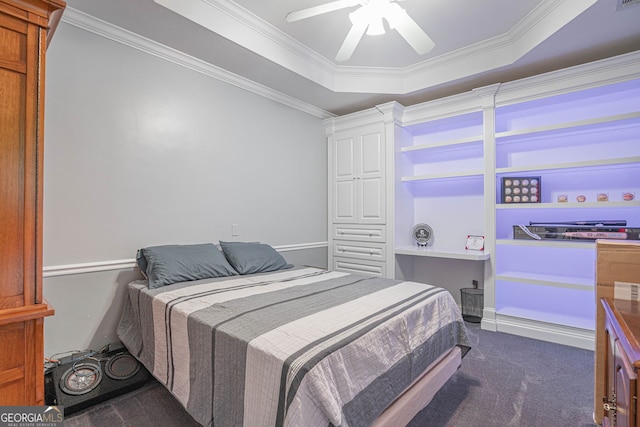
{"x": 26, "y": 27}
{"x": 622, "y": 361}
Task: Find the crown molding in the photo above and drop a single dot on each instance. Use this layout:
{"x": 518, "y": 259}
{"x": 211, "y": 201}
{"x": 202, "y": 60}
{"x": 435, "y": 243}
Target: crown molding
{"x": 120, "y": 35}
{"x": 233, "y": 22}
{"x": 227, "y": 18}
{"x": 359, "y": 118}
{"x": 612, "y": 70}
{"x": 241, "y": 26}
{"x": 505, "y": 49}
{"x": 454, "y": 105}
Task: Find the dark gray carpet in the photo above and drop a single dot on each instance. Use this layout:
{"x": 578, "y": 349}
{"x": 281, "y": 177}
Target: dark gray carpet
{"x": 505, "y": 380}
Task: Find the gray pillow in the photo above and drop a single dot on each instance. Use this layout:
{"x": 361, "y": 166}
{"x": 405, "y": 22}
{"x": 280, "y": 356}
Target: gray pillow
{"x": 249, "y": 258}
{"x": 164, "y": 265}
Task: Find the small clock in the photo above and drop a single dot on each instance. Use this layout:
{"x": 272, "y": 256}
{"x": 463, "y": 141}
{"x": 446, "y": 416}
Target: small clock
{"x": 422, "y": 233}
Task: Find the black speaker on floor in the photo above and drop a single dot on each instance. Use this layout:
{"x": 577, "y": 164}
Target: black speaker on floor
{"x": 84, "y": 379}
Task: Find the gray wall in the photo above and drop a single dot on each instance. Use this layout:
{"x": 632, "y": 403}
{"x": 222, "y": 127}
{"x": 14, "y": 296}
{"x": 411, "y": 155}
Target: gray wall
{"x": 142, "y": 151}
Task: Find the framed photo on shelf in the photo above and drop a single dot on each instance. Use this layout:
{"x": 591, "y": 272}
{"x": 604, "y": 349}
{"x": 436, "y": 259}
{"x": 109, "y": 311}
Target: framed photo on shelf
{"x": 521, "y": 189}
{"x": 475, "y": 243}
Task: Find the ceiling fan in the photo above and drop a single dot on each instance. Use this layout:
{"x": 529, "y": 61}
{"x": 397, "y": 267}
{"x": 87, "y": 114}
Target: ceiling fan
{"x": 368, "y": 18}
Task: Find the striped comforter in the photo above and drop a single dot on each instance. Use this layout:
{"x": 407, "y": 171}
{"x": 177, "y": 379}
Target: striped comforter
{"x": 300, "y": 347}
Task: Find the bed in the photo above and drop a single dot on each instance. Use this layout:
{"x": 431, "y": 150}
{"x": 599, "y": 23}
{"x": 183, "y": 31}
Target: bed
{"x": 290, "y": 345}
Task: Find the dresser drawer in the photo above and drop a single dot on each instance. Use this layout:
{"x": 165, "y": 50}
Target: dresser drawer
{"x": 363, "y": 233}
{"x": 360, "y": 250}
{"x": 351, "y": 265}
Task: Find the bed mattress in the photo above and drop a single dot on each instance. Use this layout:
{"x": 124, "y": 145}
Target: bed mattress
{"x": 298, "y": 347}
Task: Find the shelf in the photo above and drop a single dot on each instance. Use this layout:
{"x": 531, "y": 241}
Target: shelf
{"x": 572, "y": 126}
{"x": 548, "y": 243}
{"x": 453, "y": 142}
{"x": 443, "y": 253}
{"x": 442, "y": 176}
{"x": 573, "y": 205}
{"x": 555, "y": 281}
{"x": 570, "y": 165}
{"x": 555, "y": 318}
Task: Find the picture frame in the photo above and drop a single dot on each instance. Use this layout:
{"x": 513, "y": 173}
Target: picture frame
{"x": 475, "y": 243}
{"x": 521, "y": 189}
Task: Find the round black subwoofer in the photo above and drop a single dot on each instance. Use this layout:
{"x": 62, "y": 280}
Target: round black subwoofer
{"x": 122, "y": 367}
{"x": 81, "y": 378}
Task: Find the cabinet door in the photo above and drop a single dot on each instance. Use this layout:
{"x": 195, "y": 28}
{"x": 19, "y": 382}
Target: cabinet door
{"x": 370, "y": 181}
{"x": 18, "y": 163}
{"x": 609, "y": 377}
{"x": 625, "y": 388}
{"x": 344, "y": 179}
{"x": 359, "y": 182}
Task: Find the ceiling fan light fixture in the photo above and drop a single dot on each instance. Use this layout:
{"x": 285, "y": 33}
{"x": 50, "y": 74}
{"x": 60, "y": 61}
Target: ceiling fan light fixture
{"x": 370, "y": 15}
{"x": 395, "y": 14}
{"x": 368, "y": 18}
{"x": 376, "y": 27}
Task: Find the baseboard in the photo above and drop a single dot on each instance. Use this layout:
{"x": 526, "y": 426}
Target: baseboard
{"x": 559, "y": 334}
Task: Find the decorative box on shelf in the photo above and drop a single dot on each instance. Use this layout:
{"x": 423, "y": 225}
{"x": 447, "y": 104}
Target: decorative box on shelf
{"x": 521, "y": 189}
{"x": 575, "y": 232}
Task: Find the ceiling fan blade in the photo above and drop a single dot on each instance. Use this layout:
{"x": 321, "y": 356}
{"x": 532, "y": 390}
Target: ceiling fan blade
{"x": 351, "y": 41}
{"x": 320, "y": 9}
{"x": 407, "y": 27}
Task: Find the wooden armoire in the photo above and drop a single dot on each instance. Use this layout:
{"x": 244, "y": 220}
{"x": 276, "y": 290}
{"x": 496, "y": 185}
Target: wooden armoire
{"x": 26, "y": 27}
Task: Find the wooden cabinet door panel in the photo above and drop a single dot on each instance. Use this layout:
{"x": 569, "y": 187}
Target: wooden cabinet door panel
{"x": 12, "y": 364}
{"x": 625, "y": 388}
{"x": 23, "y": 34}
{"x": 13, "y": 133}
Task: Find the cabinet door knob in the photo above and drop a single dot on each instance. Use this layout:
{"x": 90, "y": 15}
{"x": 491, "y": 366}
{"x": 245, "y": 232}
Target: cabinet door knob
{"x": 609, "y": 405}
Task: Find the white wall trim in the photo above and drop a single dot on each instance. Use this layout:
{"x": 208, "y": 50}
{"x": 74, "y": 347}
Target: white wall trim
{"x": 544, "y": 331}
{"x": 120, "y": 35}
{"x": 88, "y": 267}
{"x": 125, "y": 264}
{"x": 301, "y": 246}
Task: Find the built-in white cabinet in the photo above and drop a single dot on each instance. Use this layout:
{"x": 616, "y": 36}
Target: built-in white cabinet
{"x": 575, "y": 130}
{"x": 358, "y": 195}
{"x": 359, "y": 176}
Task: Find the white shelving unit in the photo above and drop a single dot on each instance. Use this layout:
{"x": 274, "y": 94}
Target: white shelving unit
{"x": 440, "y": 174}
{"x": 583, "y": 143}
{"x": 578, "y": 129}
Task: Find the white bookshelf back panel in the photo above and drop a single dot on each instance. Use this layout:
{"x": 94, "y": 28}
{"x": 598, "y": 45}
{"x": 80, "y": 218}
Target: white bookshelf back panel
{"x": 618, "y": 98}
{"x": 453, "y": 208}
{"x": 565, "y": 306}
{"x": 561, "y": 262}
{"x": 450, "y": 128}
